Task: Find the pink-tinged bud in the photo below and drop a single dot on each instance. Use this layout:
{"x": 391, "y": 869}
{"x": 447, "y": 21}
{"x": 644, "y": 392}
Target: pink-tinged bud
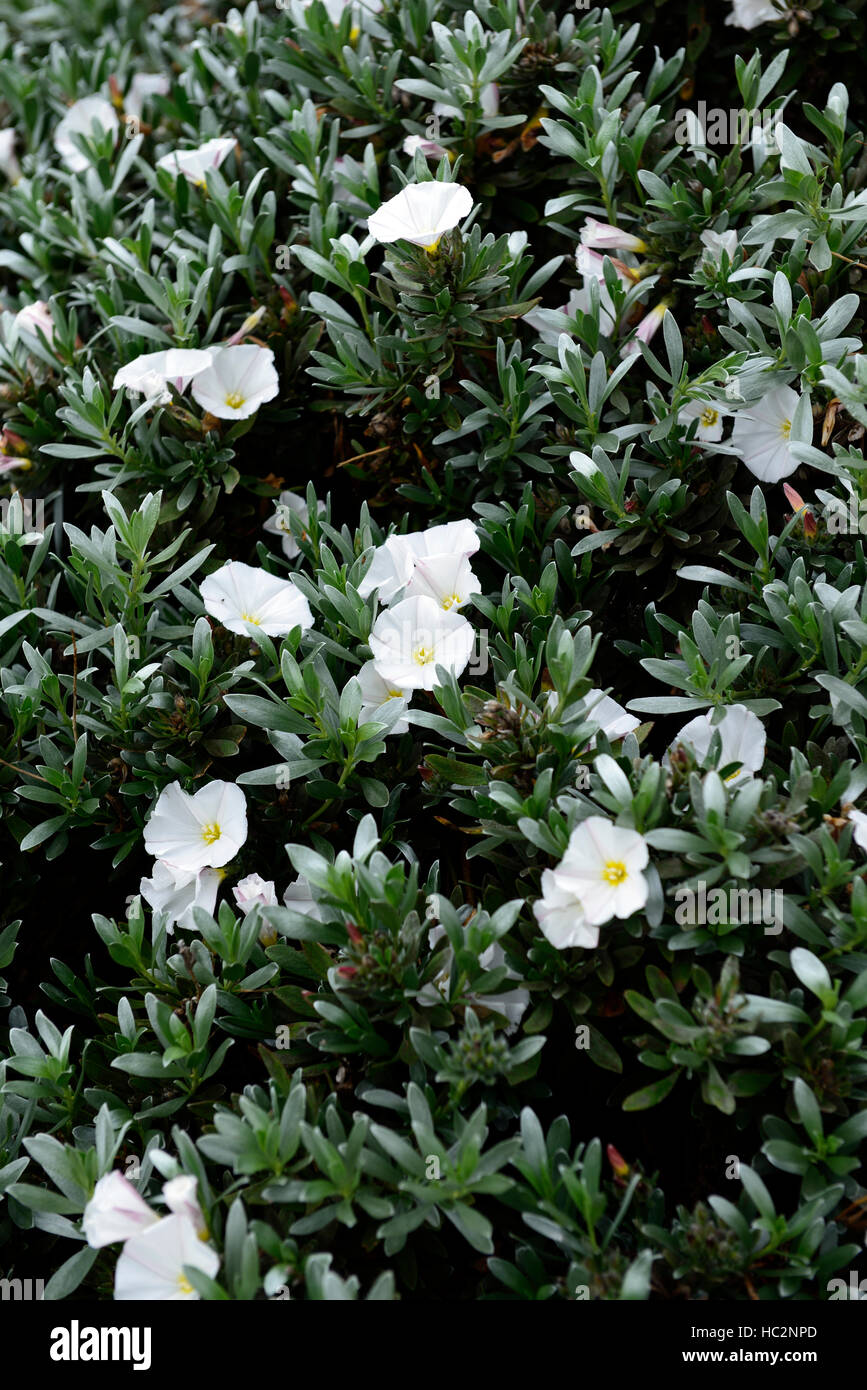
{"x": 353, "y": 933}
{"x": 617, "y": 1161}
{"x": 347, "y": 971}
{"x": 800, "y": 508}
{"x": 794, "y": 499}
{"x": 645, "y": 330}
{"x": 247, "y": 326}
{"x": 603, "y": 234}
{"x": 589, "y": 263}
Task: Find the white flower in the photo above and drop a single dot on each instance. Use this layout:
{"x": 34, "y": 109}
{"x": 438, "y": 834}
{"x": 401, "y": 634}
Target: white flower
{"x": 591, "y": 266}
{"x": 150, "y": 373}
{"x": 613, "y": 720}
{"x": 394, "y": 561}
{"x": 512, "y": 1004}
{"x": 181, "y": 1198}
{"x": 299, "y": 898}
{"x": 238, "y": 595}
{"x": 859, "y": 820}
{"x": 375, "y": 692}
{"x": 9, "y": 165}
{"x": 238, "y": 380}
{"x": 35, "y": 316}
{"x": 561, "y": 916}
{"x": 715, "y": 243}
{"x": 447, "y": 579}
{"x": 278, "y": 524}
{"x": 151, "y": 1265}
{"x": 116, "y": 1211}
{"x": 254, "y": 890}
{"x": 143, "y": 86}
{"x": 411, "y": 639}
{"x": 603, "y": 234}
{"x": 761, "y": 435}
{"x": 335, "y": 8}
{"x": 489, "y": 100}
{"x": 602, "y": 871}
{"x": 429, "y": 148}
{"x": 80, "y": 120}
{"x": 710, "y": 420}
{"x": 749, "y": 14}
{"x": 421, "y": 213}
{"x": 578, "y": 302}
{"x": 742, "y": 735}
{"x": 194, "y": 164}
{"x": 177, "y": 891}
{"x": 202, "y": 831}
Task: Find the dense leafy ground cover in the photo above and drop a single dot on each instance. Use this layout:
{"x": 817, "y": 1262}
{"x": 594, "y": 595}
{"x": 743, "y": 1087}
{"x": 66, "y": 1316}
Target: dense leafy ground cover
{"x": 432, "y": 640}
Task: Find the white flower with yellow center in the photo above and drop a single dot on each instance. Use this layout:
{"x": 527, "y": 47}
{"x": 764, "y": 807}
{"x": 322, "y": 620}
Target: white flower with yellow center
{"x": 393, "y": 562}
{"x": 375, "y": 692}
{"x": 195, "y": 164}
{"x": 411, "y": 639}
{"x": 447, "y": 579}
{"x": 762, "y": 433}
{"x": 421, "y": 213}
{"x": 87, "y": 117}
{"x": 711, "y": 419}
{"x": 196, "y": 832}
{"x": 242, "y": 597}
{"x": 176, "y": 892}
{"x": 742, "y": 737}
{"x": 278, "y": 524}
{"x": 599, "y": 877}
{"x": 151, "y": 1265}
{"x": 237, "y": 381}
{"x": 116, "y": 1211}
{"x": 152, "y": 372}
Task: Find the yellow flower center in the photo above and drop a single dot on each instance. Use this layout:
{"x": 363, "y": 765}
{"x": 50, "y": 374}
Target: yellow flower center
{"x": 709, "y": 417}
{"x": 234, "y": 400}
{"x": 184, "y": 1285}
{"x": 211, "y": 833}
{"x": 395, "y": 694}
{"x": 249, "y": 618}
{"x": 432, "y": 247}
{"x": 451, "y": 601}
{"x": 614, "y": 872}
{"x": 423, "y": 656}
{"x": 786, "y": 428}
{"x": 353, "y": 33}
